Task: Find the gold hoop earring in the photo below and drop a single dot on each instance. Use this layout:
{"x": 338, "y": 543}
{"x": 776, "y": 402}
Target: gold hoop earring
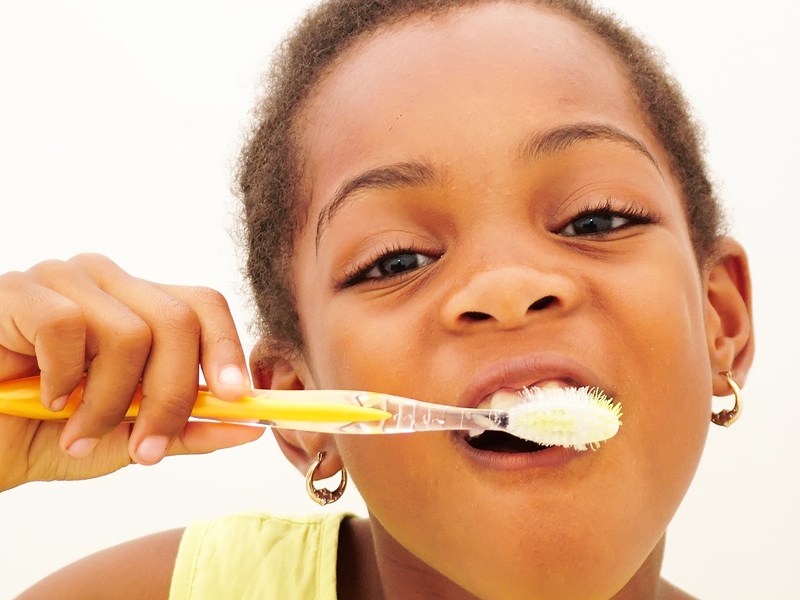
{"x": 726, "y": 418}
{"x": 323, "y": 496}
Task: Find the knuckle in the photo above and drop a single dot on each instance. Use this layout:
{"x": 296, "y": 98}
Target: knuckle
{"x": 65, "y": 318}
{"x": 173, "y": 407}
{"x": 95, "y": 266}
{"x": 14, "y": 280}
{"x": 210, "y": 297}
{"x": 132, "y": 339}
{"x": 49, "y": 269}
{"x": 179, "y": 317}
{"x": 221, "y": 341}
{"x": 90, "y": 261}
{"x": 105, "y": 415}
{"x": 23, "y": 291}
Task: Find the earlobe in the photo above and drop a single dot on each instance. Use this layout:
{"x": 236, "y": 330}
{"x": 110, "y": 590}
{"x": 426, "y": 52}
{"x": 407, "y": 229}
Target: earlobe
{"x": 276, "y": 372}
{"x": 729, "y": 323}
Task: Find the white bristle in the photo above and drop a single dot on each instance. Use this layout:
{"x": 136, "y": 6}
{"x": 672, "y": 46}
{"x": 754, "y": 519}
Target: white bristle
{"x": 571, "y": 417}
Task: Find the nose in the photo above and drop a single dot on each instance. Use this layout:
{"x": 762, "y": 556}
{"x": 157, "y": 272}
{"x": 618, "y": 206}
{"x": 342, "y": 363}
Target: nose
{"x": 508, "y": 297}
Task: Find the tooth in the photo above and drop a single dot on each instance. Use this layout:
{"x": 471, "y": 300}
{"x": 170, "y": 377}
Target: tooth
{"x": 549, "y": 385}
{"x": 473, "y": 433}
{"x": 504, "y": 399}
{"x": 501, "y": 399}
{"x": 507, "y": 397}
{"x": 530, "y": 393}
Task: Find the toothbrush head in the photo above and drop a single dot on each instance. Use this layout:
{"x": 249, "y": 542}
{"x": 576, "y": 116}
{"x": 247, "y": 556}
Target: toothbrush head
{"x": 572, "y": 417}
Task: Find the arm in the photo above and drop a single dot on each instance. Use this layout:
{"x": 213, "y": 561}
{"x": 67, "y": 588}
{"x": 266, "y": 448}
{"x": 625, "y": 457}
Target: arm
{"x": 137, "y": 570}
{"x": 63, "y": 319}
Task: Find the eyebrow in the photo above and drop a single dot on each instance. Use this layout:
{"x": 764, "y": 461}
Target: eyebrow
{"x": 422, "y": 173}
{"x": 559, "y": 139}
{"x": 389, "y": 177}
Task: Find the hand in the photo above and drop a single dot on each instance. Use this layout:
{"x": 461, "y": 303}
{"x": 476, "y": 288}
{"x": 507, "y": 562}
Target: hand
{"x": 61, "y": 319}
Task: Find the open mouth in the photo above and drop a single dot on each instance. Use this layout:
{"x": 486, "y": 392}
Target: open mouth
{"x": 502, "y": 442}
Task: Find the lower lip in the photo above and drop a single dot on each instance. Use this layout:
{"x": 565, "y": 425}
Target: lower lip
{"x": 549, "y": 458}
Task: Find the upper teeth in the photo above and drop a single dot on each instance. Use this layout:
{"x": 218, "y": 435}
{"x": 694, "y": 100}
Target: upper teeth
{"x": 506, "y": 397}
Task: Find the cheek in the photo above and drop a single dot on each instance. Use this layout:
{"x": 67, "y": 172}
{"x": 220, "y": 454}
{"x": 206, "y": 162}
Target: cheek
{"x": 368, "y": 348}
{"x": 667, "y": 382}
{"x": 650, "y": 326}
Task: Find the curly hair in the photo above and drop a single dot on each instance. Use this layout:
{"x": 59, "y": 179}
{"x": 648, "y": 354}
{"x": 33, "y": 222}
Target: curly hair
{"x": 270, "y": 166}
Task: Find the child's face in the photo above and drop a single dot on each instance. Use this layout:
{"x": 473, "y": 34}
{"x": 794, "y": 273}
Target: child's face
{"x": 474, "y": 124}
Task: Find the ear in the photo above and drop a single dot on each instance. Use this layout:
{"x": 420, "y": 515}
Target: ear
{"x": 272, "y": 370}
{"x": 729, "y": 318}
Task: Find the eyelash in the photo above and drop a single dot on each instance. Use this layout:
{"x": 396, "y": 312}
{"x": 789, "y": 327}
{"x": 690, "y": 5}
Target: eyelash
{"x": 636, "y": 215}
{"x": 357, "y": 273}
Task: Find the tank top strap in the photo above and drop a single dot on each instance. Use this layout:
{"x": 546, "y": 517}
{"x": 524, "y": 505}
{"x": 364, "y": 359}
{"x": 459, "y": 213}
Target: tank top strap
{"x": 258, "y": 556}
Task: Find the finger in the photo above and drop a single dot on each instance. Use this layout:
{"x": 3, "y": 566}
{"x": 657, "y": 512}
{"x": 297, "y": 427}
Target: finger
{"x": 189, "y": 325}
{"x": 41, "y": 328}
{"x": 202, "y": 438}
{"x": 41, "y": 464}
{"x": 169, "y": 380}
{"x": 221, "y": 355}
{"x": 117, "y": 344}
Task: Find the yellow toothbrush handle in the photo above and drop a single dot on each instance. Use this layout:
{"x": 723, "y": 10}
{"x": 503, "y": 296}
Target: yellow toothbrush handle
{"x": 21, "y": 398}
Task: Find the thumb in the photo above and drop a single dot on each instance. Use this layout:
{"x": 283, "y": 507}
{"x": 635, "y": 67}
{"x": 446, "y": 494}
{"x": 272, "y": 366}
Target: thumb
{"x": 202, "y": 438}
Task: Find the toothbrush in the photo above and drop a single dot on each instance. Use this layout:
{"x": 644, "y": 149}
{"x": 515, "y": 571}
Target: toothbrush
{"x": 571, "y": 417}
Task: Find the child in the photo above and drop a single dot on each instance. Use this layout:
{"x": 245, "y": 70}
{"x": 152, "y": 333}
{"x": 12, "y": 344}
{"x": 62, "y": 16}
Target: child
{"x": 511, "y": 203}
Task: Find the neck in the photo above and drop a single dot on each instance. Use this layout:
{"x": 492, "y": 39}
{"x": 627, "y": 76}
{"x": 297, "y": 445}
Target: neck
{"x": 372, "y": 564}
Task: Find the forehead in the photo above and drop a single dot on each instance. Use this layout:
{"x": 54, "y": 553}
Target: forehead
{"x": 455, "y": 88}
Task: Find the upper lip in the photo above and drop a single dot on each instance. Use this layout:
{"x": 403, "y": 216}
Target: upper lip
{"x": 526, "y": 371}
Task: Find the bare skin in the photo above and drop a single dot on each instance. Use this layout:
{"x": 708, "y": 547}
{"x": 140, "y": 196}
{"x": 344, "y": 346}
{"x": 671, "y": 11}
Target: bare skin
{"x": 118, "y": 571}
{"x": 498, "y": 275}
{"x": 63, "y": 318}
{"x": 457, "y": 261}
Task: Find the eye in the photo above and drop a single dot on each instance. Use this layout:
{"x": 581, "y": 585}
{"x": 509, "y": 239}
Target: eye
{"x": 597, "y": 222}
{"x": 397, "y": 264}
{"x": 390, "y": 265}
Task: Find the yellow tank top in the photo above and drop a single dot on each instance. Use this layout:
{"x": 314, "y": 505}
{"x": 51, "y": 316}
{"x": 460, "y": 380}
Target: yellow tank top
{"x": 258, "y": 556}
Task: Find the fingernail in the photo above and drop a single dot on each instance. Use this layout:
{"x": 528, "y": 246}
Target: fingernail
{"x": 80, "y": 448}
{"x": 231, "y": 375}
{"x": 58, "y": 404}
{"x": 152, "y": 449}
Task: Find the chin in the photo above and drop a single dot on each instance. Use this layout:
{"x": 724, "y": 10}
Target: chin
{"x": 555, "y": 584}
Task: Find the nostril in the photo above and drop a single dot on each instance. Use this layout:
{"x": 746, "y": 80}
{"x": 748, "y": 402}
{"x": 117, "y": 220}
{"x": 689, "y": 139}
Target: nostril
{"x": 473, "y": 315}
{"x": 542, "y": 303}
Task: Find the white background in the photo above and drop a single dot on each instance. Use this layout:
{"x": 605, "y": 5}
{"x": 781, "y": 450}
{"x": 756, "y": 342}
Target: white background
{"x": 119, "y": 125}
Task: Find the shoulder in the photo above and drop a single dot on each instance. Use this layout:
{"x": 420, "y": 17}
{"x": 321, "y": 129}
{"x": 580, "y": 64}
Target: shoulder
{"x": 116, "y": 572}
{"x": 202, "y": 558}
